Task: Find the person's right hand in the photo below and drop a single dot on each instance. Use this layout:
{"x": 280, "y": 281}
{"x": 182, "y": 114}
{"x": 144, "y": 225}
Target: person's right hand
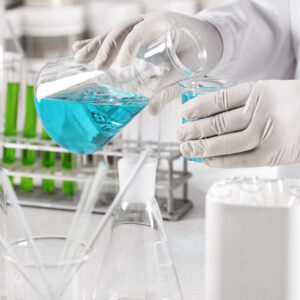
{"x": 125, "y": 39}
{"x": 249, "y": 125}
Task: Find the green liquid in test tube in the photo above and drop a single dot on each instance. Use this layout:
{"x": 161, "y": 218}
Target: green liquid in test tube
{"x": 68, "y": 161}
{"x": 28, "y": 156}
{"x": 10, "y": 129}
{"x": 48, "y": 161}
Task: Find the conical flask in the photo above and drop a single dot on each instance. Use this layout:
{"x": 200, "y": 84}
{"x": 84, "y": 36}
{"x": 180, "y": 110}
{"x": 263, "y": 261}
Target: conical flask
{"x": 82, "y": 108}
{"x": 137, "y": 264}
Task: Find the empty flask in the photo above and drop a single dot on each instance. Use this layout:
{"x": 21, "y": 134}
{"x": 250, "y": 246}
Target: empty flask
{"x": 137, "y": 264}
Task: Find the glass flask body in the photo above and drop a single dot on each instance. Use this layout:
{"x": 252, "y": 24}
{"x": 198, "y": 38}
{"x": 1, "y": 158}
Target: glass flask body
{"x": 196, "y": 86}
{"x": 137, "y": 264}
{"x": 82, "y": 108}
{"x": 29, "y": 285}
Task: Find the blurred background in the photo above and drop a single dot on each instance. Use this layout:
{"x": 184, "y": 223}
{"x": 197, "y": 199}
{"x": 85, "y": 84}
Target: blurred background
{"x": 36, "y": 31}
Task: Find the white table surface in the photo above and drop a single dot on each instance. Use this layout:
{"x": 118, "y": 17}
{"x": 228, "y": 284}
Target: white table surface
{"x": 186, "y": 241}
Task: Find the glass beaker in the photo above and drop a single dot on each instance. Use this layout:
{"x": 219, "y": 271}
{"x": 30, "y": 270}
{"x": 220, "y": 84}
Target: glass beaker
{"x": 137, "y": 264}
{"x": 82, "y": 108}
{"x": 50, "y": 248}
{"x": 195, "y": 86}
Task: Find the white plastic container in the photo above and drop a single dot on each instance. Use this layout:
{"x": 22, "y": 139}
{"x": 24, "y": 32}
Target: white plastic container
{"x": 14, "y": 28}
{"x": 102, "y": 15}
{"x": 51, "y": 31}
{"x": 253, "y": 240}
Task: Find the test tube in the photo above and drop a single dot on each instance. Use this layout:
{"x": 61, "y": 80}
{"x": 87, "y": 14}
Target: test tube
{"x": 11, "y": 113}
{"x": 48, "y": 161}
{"x": 68, "y": 162}
{"x": 28, "y": 156}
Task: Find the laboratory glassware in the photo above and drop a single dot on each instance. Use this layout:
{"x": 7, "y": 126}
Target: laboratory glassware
{"x": 28, "y": 156}
{"x": 87, "y": 202}
{"x": 11, "y": 112}
{"x": 33, "y": 255}
{"x": 91, "y": 106}
{"x": 13, "y": 215}
{"x": 196, "y": 86}
{"x": 50, "y": 247}
{"x": 137, "y": 263}
{"x": 48, "y": 163}
{"x": 68, "y": 162}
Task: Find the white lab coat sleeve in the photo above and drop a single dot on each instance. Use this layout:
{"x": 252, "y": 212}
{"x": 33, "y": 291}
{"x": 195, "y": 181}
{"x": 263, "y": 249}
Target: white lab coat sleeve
{"x": 257, "y": 40}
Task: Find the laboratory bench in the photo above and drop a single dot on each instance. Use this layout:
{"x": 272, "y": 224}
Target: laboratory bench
{"x": 186, "y": 241}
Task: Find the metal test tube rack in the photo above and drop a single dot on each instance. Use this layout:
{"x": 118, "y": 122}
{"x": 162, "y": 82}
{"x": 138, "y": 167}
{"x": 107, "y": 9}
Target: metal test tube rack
{"x": 168, "y": 179}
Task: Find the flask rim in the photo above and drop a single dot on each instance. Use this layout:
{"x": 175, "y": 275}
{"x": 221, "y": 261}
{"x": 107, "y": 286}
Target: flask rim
{"x": 171, "y": 51}
{"x": 132, "y": 160}
{"x": 200, "y": 83}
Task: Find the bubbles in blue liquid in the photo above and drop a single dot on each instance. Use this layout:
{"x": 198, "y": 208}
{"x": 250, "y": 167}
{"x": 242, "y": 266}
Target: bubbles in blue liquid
{"x": 83, "y": 121}
{"x": 98, "y": 117}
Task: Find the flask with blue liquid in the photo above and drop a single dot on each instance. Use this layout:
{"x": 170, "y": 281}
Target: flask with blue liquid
{"x": 82, "y": 108}
{"x": 196, "y": 86}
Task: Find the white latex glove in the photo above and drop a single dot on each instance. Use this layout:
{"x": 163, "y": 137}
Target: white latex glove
{"x": 252, "y": 124}
{"x": 125, "y": 39}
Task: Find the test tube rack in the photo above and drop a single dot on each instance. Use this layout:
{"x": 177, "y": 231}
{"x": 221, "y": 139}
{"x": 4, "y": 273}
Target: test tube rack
{"x": 168, "y": 179}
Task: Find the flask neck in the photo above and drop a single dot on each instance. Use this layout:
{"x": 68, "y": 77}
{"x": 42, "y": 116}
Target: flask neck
{"x": 177, "y": 54}
{"x": 142, "y": 189}
{"x": 185, "y": 49}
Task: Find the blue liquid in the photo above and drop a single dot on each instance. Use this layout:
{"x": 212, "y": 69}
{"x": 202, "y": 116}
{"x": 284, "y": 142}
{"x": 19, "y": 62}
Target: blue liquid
{"x": 84, "y": 120}
{"x": 187, "y": 96}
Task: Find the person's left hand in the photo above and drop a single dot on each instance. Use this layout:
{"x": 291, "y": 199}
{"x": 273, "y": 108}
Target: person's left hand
{"x": 252, "y": 124}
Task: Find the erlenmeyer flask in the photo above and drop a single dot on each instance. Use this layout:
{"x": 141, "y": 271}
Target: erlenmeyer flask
{"x": 82, "y": 108}
{"x": 137, "y": 264}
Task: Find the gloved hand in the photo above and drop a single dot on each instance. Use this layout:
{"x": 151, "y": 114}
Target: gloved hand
{"x": 249, "y": 125}
{"x": 125, "y": 39}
